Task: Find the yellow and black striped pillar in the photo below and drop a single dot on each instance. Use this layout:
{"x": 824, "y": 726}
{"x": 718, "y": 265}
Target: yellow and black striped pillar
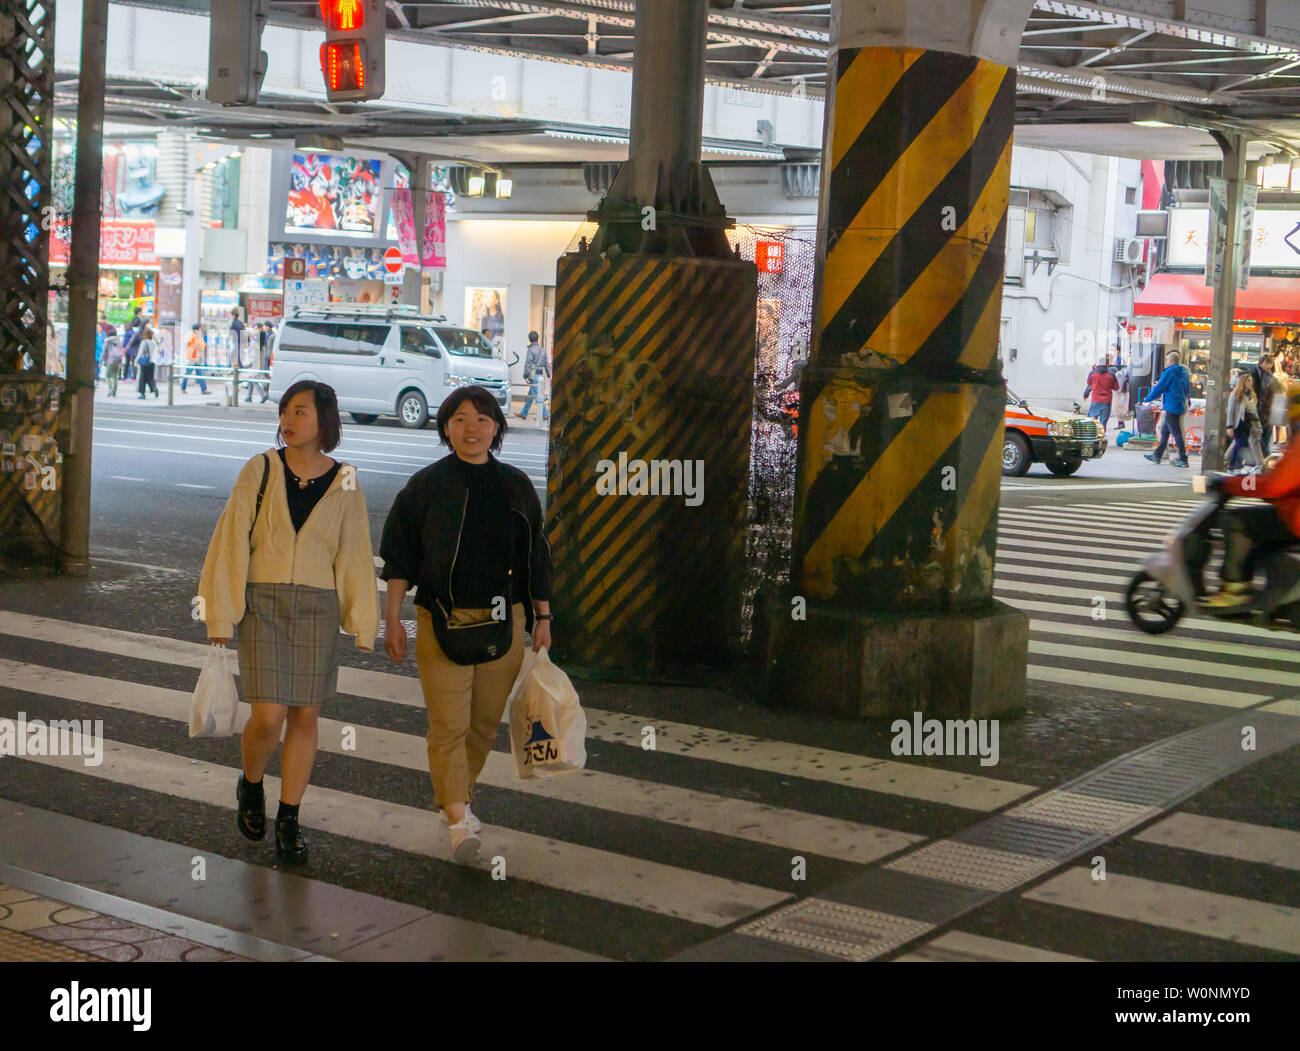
{"x": 654, "y": 378}
{"x": 902, "y": 401}
{"x": 32, "y": 434}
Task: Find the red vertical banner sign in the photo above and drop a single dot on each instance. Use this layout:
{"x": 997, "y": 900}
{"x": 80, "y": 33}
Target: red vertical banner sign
{"x": 435, "y": 227}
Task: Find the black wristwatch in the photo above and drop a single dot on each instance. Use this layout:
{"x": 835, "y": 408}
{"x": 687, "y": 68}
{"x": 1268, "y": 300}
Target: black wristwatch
{"x": 541, "y": 616}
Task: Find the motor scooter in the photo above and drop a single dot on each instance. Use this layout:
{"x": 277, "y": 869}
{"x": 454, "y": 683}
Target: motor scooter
{"x": 1167, "y": 586}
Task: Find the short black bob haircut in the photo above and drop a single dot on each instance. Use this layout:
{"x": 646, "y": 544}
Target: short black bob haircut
{"x": 327, "y": 413}
{"x": 481, "y": 398}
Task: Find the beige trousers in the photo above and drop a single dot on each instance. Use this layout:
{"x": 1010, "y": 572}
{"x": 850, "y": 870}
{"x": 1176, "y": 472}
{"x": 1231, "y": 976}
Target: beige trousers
{"x": 465, "y": 705}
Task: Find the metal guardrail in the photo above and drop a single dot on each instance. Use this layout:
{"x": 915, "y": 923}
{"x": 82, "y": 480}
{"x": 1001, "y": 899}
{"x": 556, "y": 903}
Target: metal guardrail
{"x": 231, "y": 376}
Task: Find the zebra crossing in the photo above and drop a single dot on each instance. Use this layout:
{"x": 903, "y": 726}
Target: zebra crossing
{"x": 699, "y": 835}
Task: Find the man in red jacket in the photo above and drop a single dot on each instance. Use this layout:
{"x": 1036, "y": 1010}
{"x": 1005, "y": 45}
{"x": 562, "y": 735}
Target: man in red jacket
{"x": 1253, "y": 531}
{"x": 1102, "y": 386}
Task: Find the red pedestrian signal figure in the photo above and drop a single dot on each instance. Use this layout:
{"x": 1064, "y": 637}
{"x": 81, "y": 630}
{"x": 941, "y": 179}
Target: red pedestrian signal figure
{"x": 342, "y": 15}
{"x": 352, "y": 57}
{"x": 345, "y": 69}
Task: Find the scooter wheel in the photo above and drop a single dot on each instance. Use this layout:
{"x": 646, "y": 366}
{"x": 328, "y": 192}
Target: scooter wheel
{"x": 1150, "y": 606}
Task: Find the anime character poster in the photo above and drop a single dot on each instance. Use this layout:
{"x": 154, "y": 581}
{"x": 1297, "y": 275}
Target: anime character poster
{"x": 333, "y": 192}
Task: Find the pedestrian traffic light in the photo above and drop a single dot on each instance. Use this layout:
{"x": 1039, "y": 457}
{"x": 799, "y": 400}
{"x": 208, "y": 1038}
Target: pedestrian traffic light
{"x": 352, "y": 57}
{"x": 236, "y": 61}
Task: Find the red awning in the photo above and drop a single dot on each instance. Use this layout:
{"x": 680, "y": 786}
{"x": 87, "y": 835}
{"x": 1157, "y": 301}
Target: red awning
{"x": 1272, "y": 300}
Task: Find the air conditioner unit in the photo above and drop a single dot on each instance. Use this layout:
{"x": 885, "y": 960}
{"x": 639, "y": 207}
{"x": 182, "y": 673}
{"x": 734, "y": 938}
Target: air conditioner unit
{"x": 1128, "y": 250}
{"x": 1019, "y": 198}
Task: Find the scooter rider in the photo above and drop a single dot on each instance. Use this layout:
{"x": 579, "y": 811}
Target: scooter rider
{"x": 1253, "y": 531}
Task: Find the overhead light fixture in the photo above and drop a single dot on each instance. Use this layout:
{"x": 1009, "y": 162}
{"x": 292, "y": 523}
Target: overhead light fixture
{"x": 1275, "y": 172}
{"x": 1165, "y": 115}
{"x": 476, "y": 185}
{"x": 505, "y": 186}
{"x": 259, "y": 134}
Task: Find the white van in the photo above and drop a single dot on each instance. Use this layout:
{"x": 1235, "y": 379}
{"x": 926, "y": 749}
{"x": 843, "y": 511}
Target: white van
{"x": 385, "y": 361}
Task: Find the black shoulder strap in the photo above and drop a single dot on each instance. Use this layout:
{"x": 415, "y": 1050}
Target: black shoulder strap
{"x": 261, "y": 491}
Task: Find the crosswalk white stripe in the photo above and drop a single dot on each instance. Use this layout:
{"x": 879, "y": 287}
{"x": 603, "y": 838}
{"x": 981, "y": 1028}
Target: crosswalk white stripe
{"x": 1145, "y": 688}
{"x": 967, "y": 791}
{"x": 1034, "y": 542}
{"x": 1167, "y": 905}
{"x": 1088, "y": 512}
{"x": 1114, "y": 507}
{"x": 1116, "y": 613}
{"x": 1082, "y": 527}
{"x": 960, "y": 947}
{"x": 1227, "y": 839}
{"x": 1102, "y": 533}
{"x": 1171, "y": 641}
{"x": 1024, "y": 561}
{"x": 1131, "y": 509}
{"x": 1003, "y": 566}
{"x": 703, "y": 811}
{"x": 1048, "y": 589}
{"x": 617, "y": 878}
{"x": 1152, "y": 662}
{"x": 1072, "y": 486}
{"x": 1046, "y": 540}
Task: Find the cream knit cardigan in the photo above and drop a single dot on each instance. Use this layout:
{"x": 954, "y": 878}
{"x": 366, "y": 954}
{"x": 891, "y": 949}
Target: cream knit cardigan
{"x": 331, "y": 551}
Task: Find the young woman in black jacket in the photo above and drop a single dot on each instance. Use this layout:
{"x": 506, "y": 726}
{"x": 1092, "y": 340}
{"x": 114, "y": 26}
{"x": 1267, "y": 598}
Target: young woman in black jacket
{"x": 467, "y": 530}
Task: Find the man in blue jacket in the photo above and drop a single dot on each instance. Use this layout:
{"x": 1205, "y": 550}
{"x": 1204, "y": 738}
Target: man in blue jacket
{"x": 1175, "y": 385}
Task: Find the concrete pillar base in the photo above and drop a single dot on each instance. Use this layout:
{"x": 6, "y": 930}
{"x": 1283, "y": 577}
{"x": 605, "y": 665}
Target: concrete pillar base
{"x": 862, "y": 665}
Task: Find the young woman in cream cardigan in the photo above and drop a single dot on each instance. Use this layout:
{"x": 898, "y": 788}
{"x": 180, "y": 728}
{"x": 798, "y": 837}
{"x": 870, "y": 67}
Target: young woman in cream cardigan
{"x": 289, "y": 575}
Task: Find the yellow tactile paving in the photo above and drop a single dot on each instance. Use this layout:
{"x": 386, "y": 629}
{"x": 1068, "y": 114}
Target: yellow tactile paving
{"x": 39, "y": 912}
{"x": 8, "y": 894}
{"x": 19, "y": 948}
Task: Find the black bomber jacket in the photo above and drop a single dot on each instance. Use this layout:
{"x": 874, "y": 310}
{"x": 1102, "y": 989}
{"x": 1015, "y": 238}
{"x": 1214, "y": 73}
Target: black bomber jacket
{"x": 419, "y": 543}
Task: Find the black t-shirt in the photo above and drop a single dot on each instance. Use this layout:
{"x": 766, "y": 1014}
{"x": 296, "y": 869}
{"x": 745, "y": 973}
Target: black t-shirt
{"x": 301, "y": 501}
{"x": 492, "y": 540}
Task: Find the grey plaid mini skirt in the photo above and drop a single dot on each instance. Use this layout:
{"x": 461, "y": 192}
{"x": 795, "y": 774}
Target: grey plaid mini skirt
{"x": 288, "y": 645}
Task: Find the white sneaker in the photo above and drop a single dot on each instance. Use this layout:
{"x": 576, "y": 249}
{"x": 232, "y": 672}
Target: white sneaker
{"x": 475, "y": 825}
{"x": 464, "y": 844}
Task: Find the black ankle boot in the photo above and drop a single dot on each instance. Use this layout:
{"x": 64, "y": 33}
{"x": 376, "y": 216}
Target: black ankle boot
{"x": 252, "y": 809}
{"x": 289, "y": 844}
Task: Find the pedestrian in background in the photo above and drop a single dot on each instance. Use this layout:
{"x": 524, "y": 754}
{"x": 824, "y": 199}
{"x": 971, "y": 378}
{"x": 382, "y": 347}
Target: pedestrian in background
{"x": 163, "y": 361}
{"x": 1102, "y": 385}
{"x": 1173, "y": 389}
{"x": 467, "y": 530}
{"x": 290, "y": 573}
{"x": 535, "y": 367}
{"x": 195, "y": 351}
{"x": 1278, "y": 417}
{"x": 1243, "y": 422}
{"x": 99, "y": 352}
{"x": 148, "y": 349}
{"x": 1267, "y": 391}
{"x": 113, "y": 356}
{"x": 236, "y": 339}
{"x": 131, "y": 345}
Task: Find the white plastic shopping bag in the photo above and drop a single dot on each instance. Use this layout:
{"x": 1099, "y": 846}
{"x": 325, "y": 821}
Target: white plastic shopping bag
{"x": 548, "y": 728}
{"x": 212, "y": 708}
